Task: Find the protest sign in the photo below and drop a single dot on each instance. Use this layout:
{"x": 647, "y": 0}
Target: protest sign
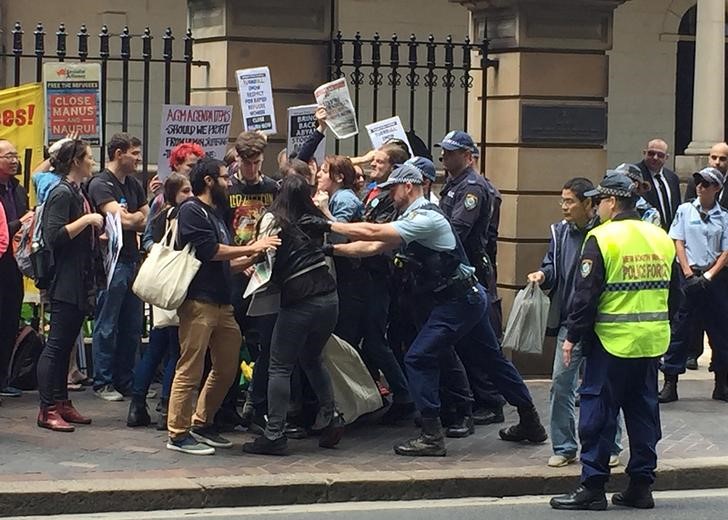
{"x": 208, "y": 126}
{"x": 73, "y": 101}
{"x": 301, "y": 125}
{"x": 113, "y": 246}
{"x": 340, "y": 115}
{"x": 256, "y": 99}
{"x": 385, "y": 130}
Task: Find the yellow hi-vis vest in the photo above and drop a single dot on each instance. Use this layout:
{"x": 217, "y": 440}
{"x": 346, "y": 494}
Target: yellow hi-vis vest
{"x": 632, "y": 320}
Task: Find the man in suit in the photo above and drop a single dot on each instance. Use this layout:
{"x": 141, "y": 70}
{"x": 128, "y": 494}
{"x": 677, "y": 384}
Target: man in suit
{"x": 718, "y": 159}
{"x": 665, "y": 192}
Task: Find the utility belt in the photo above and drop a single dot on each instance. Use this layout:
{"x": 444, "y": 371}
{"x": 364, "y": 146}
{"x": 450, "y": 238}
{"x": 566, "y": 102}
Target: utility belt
{"x": 456, "y": 289}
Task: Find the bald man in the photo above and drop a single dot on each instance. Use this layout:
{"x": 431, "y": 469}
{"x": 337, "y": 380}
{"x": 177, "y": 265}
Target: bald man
{"x": 665, "y": 192}
{"x": 717, "y": 158}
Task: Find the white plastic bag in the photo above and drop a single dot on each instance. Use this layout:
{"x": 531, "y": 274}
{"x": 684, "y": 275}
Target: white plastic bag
{"x": 355, "y": 392}
{"x": 528, "y": 320}
{"x": 166, "y": 274}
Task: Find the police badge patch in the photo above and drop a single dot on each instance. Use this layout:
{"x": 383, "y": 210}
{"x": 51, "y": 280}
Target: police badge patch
{"x": 586, "y": 267}
{"x": 471, "y": 201}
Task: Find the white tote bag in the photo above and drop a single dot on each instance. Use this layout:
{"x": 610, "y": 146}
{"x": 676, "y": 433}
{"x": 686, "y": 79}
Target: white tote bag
{"x": 166, "y": 274}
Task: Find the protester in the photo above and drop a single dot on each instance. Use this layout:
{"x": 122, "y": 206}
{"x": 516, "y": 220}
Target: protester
{"x": 69, "y": 230}
{"x": 163, "y": 341}
{"x": 119, "y": 315}
{"x": 14, "y": 200}
{"x": 206, "y": 316}
{"x": 307, "y": 316}
{"x": 181, "y": 160}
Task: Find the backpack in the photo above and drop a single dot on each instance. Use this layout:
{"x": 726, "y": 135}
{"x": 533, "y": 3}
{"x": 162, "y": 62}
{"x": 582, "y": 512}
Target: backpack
{"x": 24, "y": 360}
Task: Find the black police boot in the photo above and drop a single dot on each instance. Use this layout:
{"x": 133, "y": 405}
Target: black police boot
{"x": 430, "y": 443}
{"x": 529, "y": 428}
{"x": 483, "y": 416}
{"x": 668, "y": 394}
{"x": 636, "y": 495}
{"x": 398, "y": 412}
{"x": 582, "y": 498}
{"x": 463, "y": 426}
{"x": 720, "y": 392}
{"x": 691, "y": 363}
{"x": 138, "y": 414}
{"x": 162, "y": 410}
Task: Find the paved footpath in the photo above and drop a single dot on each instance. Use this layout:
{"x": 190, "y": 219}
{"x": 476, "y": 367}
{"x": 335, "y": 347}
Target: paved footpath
{"x": 107, "y": 455}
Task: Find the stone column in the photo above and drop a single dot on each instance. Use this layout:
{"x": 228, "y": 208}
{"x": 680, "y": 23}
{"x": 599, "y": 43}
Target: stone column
{"x": 546, "y": 121}
{"x": 709, "y": 97}
{"x": 289, "y": 36}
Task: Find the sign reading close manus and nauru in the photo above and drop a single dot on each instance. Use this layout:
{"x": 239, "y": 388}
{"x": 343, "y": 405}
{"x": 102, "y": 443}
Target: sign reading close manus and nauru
{"x": 208, "y": 126}
{"x": 73, "y": 101}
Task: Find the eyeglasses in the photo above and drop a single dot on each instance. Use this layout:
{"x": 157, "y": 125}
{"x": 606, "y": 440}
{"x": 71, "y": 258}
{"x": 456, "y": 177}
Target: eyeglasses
{"x": 10, "y": 157}
{"x": 567, "y": 202}
{"x": 656, "y": 153}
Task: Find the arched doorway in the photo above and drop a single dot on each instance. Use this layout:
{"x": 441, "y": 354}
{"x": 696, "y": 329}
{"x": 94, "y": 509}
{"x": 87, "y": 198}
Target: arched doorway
{"x": 685, "y": 80}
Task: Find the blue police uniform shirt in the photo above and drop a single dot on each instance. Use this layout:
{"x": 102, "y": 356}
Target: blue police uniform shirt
{"x": 345, "y": 206}
{"x": 705, "y": 234}
{"x": 430, "y": 229}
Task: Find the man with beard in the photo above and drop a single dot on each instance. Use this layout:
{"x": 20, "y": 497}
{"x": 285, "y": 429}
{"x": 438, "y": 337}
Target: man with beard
{"x": 206, "y": 316}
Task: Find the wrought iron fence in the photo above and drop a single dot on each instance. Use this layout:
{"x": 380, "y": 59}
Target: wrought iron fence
{"x": 437, "y": 75}
{"x": 38, "y": 53}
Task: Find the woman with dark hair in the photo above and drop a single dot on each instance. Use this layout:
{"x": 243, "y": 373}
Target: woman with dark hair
{"x": 68, "y": 224}
{"x": 306, "y": 319}
{"x": 162, "y": 340}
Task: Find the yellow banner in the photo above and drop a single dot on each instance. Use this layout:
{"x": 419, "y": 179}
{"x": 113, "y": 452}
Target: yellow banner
{"x": 22, "y": 123}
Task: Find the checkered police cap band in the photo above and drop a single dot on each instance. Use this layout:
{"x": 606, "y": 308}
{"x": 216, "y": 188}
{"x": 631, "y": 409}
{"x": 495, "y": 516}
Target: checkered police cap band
{"x": 614, "y": 192}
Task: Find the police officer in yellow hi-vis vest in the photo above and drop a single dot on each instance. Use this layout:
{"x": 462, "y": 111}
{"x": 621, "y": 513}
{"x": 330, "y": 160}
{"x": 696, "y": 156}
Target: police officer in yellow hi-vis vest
{"x": 619, "y": 311}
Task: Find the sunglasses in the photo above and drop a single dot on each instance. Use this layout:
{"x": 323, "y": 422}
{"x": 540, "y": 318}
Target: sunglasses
{"x": 656, "y": 153}
{"x": 706, "y": 184}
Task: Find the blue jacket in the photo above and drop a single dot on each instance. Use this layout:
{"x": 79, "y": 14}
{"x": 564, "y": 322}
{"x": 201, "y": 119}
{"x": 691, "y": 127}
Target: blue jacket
{"x": 560, "y": 266}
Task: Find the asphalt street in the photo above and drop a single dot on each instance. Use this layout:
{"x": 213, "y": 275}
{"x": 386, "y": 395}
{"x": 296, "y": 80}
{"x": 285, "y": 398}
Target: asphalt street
{"x": 670, "y": 505}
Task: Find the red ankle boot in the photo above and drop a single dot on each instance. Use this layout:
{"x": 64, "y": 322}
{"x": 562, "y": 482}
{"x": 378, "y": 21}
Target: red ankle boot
{"x": 49, "y": 417}
{"x": 70, "y": 414}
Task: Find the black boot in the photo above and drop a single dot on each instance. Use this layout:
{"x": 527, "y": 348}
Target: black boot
{"x": 720, "y": 392}
{"x": 162, "y": 410}
{"x": 138, "y": 414}
{"x": 581, "y": 498}
{"x": 463, "y": 426}
{"x": 668, "y": 394}
{"x": 264, "y": 446}
{"x": 529, "y": 428}
{"x": 483, "y": 416}
{"x": 636, "y": 495}
{"x": 430, "y": 443}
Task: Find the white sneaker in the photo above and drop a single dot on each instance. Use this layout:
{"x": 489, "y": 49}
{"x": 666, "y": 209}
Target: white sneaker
{"x": 559, "y": 461}
{"x": 614, "y": 461}
{"x": 108, "y": 393}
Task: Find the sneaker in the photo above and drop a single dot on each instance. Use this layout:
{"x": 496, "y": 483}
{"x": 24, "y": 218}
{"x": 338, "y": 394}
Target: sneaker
{"x": 559, "y": 461}
{"x": 11, "y": 391}
{"x": 108, "y": 393}
{"x": 614, "y": 461}
{"x": 207, "y": 434}
{"x": 264, "y": 446}
{"x": 190, "y": 446}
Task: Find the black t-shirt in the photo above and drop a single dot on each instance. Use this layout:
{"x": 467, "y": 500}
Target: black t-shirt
{"x": 205, "y": 228}
{"x": 104, "y": 188}
{"x": 248, "y": 202}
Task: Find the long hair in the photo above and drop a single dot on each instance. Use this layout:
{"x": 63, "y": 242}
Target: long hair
{"x": 293, "y": 201}
{"x": 71, "y": 151}
{"x": 341, "y": 165}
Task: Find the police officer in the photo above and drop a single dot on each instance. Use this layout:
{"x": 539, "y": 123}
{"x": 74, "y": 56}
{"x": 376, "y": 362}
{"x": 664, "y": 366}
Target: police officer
{"x": 441, "y": 281}
{"x": 619, "y": 309}
{"x": 467, "y": 200}
{"x": 700, "y": 231}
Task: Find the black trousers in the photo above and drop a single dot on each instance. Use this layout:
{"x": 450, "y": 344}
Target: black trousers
{"x": 11, "y": 303}
{"x": 66, "y": 322}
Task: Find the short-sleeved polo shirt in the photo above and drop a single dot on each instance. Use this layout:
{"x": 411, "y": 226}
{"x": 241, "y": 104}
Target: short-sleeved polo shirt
{"x": 705, "y": 234}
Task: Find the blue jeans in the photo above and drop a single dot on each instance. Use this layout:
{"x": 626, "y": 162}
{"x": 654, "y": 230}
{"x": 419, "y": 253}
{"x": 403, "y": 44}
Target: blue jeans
{"x": 565, "y": 381}
{"x": 117, "y": 330}
{"x": 162, "y": 342}
{"x": 463, "y": 322}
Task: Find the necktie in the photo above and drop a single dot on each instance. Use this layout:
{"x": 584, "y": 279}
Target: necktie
{"x": 666, "y": 213}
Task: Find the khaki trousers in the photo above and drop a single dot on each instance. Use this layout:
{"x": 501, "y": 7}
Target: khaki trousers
{"x": 202, "y": 326}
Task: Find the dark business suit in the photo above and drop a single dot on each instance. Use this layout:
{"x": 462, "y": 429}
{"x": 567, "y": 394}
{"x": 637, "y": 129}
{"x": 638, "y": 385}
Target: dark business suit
{"x": 652, "y": 197}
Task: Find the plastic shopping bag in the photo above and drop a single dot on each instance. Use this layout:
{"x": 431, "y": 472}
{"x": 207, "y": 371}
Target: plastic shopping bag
{"x": 528, "y": 320}
{"x": 355, "y": 392}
